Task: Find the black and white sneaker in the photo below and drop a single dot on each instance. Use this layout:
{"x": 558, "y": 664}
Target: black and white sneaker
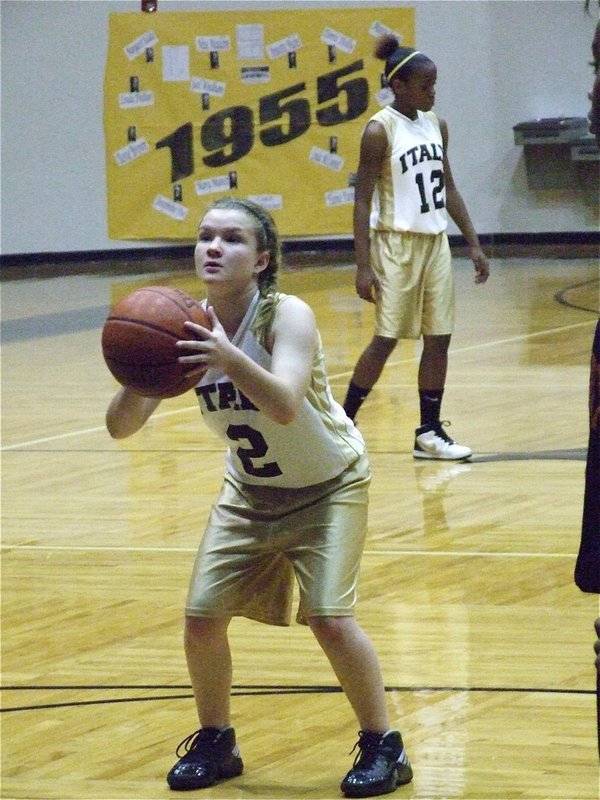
{"x": 209, "y": 755}
{"x": 380, "y": 766}
{"x": 433, "y": 442}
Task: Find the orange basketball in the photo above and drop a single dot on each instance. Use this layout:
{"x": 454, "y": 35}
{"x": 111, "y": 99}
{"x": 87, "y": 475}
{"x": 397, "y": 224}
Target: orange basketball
{"x": 139, "y": 335}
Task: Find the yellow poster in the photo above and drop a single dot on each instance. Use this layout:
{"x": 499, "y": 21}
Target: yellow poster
{"x": 267, "y": 105}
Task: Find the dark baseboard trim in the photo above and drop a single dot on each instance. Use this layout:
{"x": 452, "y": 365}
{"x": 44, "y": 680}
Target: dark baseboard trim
{"x": 169, "y": 257}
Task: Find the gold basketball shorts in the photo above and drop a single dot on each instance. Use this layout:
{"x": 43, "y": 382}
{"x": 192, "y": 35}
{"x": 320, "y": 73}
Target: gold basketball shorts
{"x": 417, "y": 284}
{"x": 258, "y": 539}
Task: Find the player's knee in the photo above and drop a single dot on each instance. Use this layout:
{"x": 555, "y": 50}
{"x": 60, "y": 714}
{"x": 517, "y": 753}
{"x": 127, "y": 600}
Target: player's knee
{"x": 329, "y": 631}
{"x": 437, "y": 345}
{"x": 381, "y": 347}
{"x": 203, "y": 629}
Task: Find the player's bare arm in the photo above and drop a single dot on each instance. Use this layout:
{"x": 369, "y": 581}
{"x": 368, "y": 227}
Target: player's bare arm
{"x": 128, "y": 412}
{"x": 372, "y": 151}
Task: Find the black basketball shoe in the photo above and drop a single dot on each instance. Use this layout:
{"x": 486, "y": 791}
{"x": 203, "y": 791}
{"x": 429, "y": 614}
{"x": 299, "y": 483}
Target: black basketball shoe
{"x": 380, "y": 766}
{"x": 211, "y": 755}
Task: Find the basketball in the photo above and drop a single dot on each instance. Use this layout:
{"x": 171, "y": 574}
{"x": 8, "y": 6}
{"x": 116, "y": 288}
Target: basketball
{"x": 139, "y": 336}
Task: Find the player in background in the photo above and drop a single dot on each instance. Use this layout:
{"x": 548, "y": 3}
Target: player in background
{"x": 293, "y": 502}
{"x": 404, "y": 191}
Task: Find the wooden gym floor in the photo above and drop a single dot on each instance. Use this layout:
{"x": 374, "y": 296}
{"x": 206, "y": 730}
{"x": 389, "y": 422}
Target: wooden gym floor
{"x": 467, "y": 582}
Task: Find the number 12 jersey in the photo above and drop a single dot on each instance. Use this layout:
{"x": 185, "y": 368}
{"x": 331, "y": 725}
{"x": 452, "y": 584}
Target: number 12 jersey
{"x": 410, "y": 192}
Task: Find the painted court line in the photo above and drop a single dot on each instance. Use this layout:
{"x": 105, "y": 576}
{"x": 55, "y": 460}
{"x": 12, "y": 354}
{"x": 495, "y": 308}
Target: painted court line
{"x": 85, "y": 431}
{"x": 332, "y": 378}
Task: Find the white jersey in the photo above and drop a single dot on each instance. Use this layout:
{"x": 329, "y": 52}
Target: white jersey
{"x": 317, "y": 446}
{"x": 409, "y": 193}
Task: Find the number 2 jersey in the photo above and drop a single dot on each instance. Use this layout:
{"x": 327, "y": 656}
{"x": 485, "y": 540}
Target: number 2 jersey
{"x": 409, "y": 193}
{"x": 316, "y": 446}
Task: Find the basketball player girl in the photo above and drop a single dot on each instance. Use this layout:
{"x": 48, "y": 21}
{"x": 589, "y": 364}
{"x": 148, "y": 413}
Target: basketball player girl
{"x": 293, "y": 501}
{"x": 404, "y": 191}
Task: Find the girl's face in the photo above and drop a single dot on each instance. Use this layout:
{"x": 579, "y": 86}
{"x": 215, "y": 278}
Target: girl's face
{"x": 226, "y": 250}
{"x": 418, "y": 92}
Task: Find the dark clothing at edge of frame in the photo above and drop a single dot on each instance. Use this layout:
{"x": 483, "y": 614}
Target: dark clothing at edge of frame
{"x": 587, "y": 567}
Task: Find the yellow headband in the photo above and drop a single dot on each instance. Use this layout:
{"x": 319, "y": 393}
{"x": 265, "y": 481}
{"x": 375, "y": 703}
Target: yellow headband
{"x": 402, "y": 63}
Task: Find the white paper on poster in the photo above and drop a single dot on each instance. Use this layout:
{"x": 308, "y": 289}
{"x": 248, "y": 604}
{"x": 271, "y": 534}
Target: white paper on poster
{"x": 210, "y": 44}
{"x": 136, "y": 99}
{"x": 271, "y": 202}
{"x": 340, "y": 197}
{"x": 176, "y": 62}
{"x": 327, "y": 159}
{"x": 378, "y": 29}
{"x": 288, "y": 45}
{"x": 343, "y": 43}
{"x": 220, "y": 183}
{"x": 140, "y": 45}
{"x": 250, "y": 41}
{"x": 172, "y": 209}
{"x": 256, "y": 74}
{"x": 206, "y": 86}
{"x": 131, "y": 151}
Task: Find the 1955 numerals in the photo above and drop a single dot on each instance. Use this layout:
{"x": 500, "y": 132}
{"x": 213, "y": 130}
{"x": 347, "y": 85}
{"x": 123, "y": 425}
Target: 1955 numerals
{"x": 283, "y": 116}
